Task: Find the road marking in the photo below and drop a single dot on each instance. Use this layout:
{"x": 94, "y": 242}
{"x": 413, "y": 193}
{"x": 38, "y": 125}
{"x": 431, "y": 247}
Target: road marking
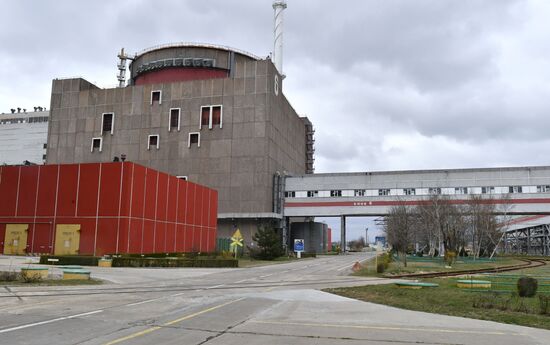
{"x": 242, "y": 281}
{"x": 152, "y": 329}
{"x": 434, "y": 330}
{"x": 142, "y": 302}
{"x": 215, "y": 286}
{"x": 49, "y": 321}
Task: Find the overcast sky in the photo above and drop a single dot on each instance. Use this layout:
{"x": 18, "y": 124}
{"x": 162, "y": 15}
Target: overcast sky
{"x": 388, "y": 84}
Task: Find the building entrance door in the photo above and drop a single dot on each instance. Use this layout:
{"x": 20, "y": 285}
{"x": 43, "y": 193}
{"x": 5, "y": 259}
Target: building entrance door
{"x": 15, "y": 240}
{"x": 67, "y": 239}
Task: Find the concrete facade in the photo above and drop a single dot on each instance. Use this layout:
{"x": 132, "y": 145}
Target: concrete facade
{"x": 259, "y": 134}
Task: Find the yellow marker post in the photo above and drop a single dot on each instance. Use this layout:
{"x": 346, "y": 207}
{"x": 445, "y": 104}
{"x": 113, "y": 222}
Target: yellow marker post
{"x": 236, "y": 241}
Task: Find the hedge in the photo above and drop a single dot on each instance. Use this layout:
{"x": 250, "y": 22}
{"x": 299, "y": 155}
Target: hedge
{"x": 172, "y": 262}
{"x": 308, "y": 255}
{"x": 70, "y": 260}
{"x": 188, "y": 255}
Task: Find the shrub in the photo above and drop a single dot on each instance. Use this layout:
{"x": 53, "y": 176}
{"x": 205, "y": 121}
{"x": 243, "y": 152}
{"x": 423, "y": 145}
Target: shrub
{"x": 8, "y": 276}
{"x": 527, "y": 286}
{"x": 172, "y": 262}
{"x": 269, "y": 244}
{"x": 309, "y": 255}
{"x": 70, "y": 260}
{"x": 30, "y": 278}
{"x": 381, "y": 267}
{"x": 544, "y": 304}
{"x": 450, "y": 257}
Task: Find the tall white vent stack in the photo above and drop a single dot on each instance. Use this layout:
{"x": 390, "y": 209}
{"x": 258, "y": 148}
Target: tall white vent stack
{"x": 279, "y": 7}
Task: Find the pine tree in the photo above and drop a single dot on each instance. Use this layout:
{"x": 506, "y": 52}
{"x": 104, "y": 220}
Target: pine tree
{"x": 269, "y": 244}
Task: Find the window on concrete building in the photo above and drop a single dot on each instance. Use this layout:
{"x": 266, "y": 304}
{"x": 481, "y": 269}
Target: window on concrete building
{"x": 194, "y": 139}
{"x": 487, "y": 190}
{"x": 43, "y": 157}
{"x": 97, "y": 145}
{"x": 153, "y": 141}
{"x": 543, "y": 189}
{"x": 383, "y": 192}
{"x": 359, "y": 192}
{"x": 174, "y": 119}
{"x": 461, "y": 190}
{"x": 291, "y": 194}
{"x": 156, "y": 97}
{"x": 45, "y": 146}
{"x": 211, "y": 116}
{"x": 514, "y": 189}
{"x": 107, "y": 123}
{"x": 335, "y": 193}
{"x": 434, "y": 190}
{"x": 409, "y": 191}
{"x": 312, "y": 193}
{"x": 182, "y": 177}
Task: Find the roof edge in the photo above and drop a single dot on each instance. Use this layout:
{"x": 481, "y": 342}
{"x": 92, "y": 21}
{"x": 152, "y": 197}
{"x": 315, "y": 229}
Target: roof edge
{"x": 197, "y": 45}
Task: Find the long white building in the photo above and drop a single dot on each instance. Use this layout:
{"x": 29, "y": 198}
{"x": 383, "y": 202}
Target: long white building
{"x": 23, "y": 137}
{"x": 524, "y": 190}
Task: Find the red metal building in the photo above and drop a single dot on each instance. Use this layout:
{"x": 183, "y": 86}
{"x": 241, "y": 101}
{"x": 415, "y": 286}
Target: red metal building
{"x": 103, "y": 208}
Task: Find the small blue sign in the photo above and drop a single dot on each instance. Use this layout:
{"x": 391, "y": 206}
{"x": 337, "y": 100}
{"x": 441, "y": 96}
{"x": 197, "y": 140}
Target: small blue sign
{"x": 298, "y": 245}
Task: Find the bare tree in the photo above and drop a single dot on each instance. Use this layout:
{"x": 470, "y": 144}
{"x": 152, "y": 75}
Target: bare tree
{"x": 484, "y": 228}
{"x": 444, "y": 224}
{"x": 400, "y": 229}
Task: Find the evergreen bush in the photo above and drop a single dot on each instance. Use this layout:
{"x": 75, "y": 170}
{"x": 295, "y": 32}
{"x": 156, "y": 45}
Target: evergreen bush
{"x": 527, "y": 286}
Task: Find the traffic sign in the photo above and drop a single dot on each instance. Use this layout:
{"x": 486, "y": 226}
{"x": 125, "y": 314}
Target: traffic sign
{"x": 236, "y": 241}
{"x": 298, "y": 245}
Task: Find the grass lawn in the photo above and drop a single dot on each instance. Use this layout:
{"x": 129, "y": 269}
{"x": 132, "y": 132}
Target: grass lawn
{"x": 449, "y": 300}
{"x": 426, "y": 264}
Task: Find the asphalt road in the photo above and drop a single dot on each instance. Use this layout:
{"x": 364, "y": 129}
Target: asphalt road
{"x": 276, "y": 304}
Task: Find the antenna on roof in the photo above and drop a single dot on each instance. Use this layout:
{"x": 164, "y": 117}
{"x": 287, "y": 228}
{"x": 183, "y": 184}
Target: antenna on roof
{"x": 279, "y": 7}
{"x": 122, "y": 68}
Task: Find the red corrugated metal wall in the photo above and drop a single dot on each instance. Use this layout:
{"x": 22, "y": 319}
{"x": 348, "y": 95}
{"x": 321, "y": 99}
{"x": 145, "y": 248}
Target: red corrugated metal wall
{"x": 121, "y": 207}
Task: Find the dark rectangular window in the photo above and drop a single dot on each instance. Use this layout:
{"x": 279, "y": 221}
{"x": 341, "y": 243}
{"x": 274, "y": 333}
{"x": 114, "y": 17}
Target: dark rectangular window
{"x": 43, "y": 157}
{"x": 45, "y": 146}
{"x": 153, "y": 142}
{"x": 96, "y": 145}
{"x": 434, "y": 190}
{"x": 409, "y": 191}
{"x": 335, "y": 193}
{"x": 107, "y": 123}
{"x": 461, "y": 190}
{"x": 205, "y": 116}
{"x": 211, "y": 116}
{"x": 383, "y": 192}
{"x": 216, "y": 116}
{"x": 291, "y": 194}
{"x": 175, "y": 119}
{"x": 155, "y": 97}
{"x": 312, "y": 193}
{"x": 487, "y": 190}
{"x": 515, "y": 189}
{"x": 194, "y": 138}
{"x": 359, "y": 192}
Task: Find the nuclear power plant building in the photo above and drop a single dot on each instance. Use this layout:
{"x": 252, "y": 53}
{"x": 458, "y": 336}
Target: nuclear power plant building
{"x": 211, "y": 114}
